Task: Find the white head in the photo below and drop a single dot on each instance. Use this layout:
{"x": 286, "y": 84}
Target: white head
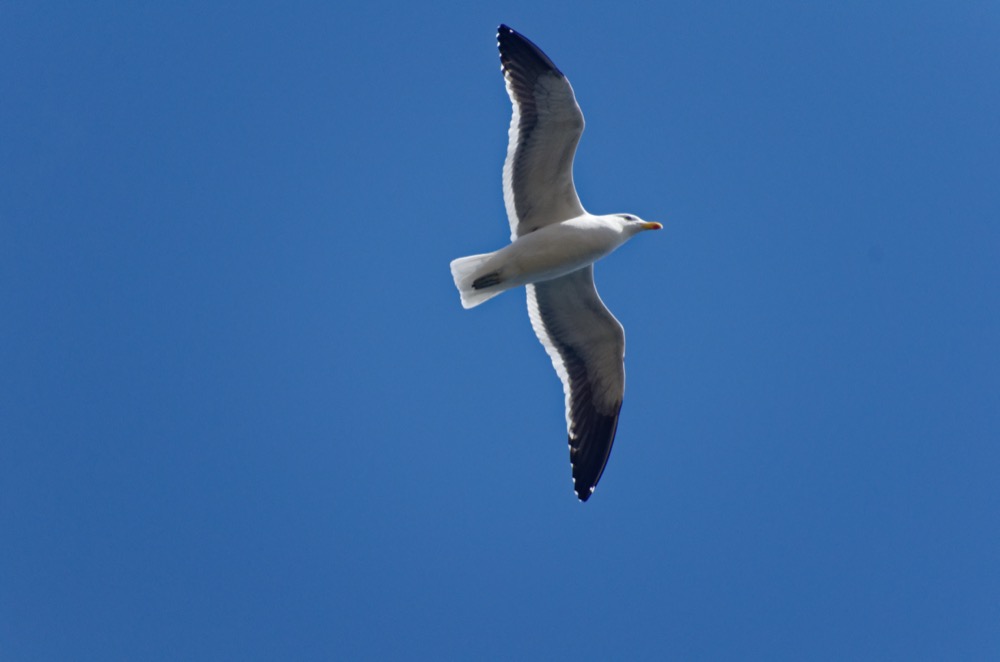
{"x": 632, "y": 225}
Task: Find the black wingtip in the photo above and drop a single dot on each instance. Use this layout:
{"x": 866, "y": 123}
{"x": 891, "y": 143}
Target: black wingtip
{"x": 513, "y": 44}
{"x": 588, "y": 454}
{"x": 504, "y": 32}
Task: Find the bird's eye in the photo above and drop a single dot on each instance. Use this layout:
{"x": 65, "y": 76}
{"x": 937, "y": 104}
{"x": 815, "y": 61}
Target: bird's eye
{"x": 628, "y": 217}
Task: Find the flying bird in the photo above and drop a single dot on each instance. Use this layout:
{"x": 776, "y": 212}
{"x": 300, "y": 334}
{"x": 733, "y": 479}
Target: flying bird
{"x": 554, "y": 244}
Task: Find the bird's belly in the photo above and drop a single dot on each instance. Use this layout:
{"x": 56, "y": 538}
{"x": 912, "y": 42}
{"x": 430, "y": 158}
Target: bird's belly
{"x": 550, "y": 253}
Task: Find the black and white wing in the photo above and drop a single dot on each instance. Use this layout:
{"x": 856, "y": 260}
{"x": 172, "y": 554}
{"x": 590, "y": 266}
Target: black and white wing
{"x": 587, "y": 347}
{"x": 544, "y": 130}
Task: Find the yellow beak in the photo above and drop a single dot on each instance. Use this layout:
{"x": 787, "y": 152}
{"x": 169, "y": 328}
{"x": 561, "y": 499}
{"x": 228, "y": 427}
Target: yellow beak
{"x": 652, "y": 226}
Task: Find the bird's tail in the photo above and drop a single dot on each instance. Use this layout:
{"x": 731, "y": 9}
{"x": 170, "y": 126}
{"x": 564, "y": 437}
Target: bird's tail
{"x": 473, "y": 284}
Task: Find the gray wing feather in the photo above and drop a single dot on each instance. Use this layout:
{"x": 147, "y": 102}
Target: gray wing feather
{"x": 544, "y": 131}
{"x": 587, "y": 347}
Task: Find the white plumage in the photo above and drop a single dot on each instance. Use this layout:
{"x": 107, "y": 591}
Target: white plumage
{"x": 554, "y": 244}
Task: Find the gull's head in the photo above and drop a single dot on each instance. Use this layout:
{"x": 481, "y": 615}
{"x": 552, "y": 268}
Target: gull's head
{"x": 634, "y": 225}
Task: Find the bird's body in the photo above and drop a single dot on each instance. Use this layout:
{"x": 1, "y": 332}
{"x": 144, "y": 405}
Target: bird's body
{"x": 545, "y": 254}
{"x": 554, "y": 244}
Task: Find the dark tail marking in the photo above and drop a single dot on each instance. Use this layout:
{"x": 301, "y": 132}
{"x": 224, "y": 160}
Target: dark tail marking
{"x": 489, "y": 280}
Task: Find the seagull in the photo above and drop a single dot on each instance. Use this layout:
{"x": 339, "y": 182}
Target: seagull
{"x": 554, "y": 244}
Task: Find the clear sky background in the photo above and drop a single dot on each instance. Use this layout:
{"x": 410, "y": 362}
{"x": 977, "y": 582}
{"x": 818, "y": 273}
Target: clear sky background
{"x": 243, "y": 415}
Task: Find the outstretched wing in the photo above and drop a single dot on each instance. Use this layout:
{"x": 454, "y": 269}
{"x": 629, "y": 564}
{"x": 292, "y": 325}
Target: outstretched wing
{"x": 587, "y": 347}
{"x": 544, "y": 130}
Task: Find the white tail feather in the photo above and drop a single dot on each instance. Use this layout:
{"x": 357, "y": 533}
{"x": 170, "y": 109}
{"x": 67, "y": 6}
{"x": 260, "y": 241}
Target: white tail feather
{"x": 465, "y": 270}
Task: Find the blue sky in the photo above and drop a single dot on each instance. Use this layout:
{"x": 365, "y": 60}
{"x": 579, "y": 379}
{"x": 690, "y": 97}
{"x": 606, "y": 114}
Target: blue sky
{"x": 243, "y": 415}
